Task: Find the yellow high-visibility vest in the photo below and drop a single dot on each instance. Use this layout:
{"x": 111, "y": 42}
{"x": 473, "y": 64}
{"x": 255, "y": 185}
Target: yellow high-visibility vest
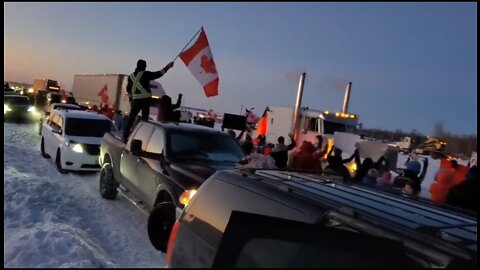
{"x": 138, "y": 91}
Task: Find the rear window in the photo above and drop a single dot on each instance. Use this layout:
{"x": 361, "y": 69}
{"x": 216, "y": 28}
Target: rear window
{"x": 257, "y": 241}
{"x": 20, "y": 100}
{"x": 88, "y": 127}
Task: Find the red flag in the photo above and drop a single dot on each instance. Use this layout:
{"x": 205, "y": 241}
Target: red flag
{"x": 199, "y": 60}
{"x": 263, "y": 124}
{"x": 103, "y": 94}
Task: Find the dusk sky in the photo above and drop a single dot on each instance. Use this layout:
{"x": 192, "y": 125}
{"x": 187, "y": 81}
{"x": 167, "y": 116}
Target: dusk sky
{"x": 412, "y": 64}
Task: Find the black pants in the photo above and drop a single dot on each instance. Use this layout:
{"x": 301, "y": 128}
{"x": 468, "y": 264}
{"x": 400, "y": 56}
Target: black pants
{"x": 137, "y": 105}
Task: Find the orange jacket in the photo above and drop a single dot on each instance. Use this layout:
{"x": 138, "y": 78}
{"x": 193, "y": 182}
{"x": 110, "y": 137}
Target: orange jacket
{"x": 304, "y": 160}
{"x": 444, "y": 180}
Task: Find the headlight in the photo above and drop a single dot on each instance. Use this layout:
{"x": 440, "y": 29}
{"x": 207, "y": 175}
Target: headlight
{"x": 77, "y": 148}
{"x": 30, "y": 90}
{"x": 6, "y": 109}
{"x": 187, "y": 196}
{"x": 31, "y": 109}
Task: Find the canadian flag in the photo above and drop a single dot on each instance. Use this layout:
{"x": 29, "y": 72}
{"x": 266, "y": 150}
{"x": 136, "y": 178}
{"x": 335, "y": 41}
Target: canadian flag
{"x": 199, "y": 60}
{"x": 262, "y": 128}
{"x": 103, "y": 94}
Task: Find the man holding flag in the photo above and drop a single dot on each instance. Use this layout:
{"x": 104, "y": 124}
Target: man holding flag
{"x": 198, "y": 59}
{"x": 139, "y": 92}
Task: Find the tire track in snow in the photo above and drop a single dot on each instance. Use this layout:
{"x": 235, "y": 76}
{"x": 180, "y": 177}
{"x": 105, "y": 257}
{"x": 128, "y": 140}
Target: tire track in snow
{"x": 55, "y": 220}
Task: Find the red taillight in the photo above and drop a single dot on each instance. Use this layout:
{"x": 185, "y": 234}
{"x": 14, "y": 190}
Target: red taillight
{"x": 171, "y": 241}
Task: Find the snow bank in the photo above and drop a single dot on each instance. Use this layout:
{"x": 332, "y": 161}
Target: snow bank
{"x": 55, "y": 220}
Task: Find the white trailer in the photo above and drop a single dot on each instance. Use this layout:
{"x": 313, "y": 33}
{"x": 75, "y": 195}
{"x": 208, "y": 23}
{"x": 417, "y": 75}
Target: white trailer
{"x": 311, "y": 123}
{"x": 86, "y": 89}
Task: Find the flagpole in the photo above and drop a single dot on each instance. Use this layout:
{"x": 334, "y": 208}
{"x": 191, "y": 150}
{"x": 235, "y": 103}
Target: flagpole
{"x": 188, "y": 43}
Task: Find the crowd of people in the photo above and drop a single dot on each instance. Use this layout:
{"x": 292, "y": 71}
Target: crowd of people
{"x": 452, "y": 185}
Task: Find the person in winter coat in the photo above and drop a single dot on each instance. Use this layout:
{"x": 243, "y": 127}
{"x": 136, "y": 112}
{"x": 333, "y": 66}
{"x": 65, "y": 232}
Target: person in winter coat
{"x": 465, "y": 194}
{"x": 370, "y": 179}
{"x": 304, "y": 160}
{"x": 410, "y": 181}
{"x": 167, "y": 110}
{"x": 261, "y": 144}
{"x": 367, "y": 165}
{"x": 335, "y": 163}
{"x": 459, "y": 172}
{"x": 247, "y": 145}
{"x": 138, "y": 89}
{"x": 442, "y": 183}
{"x": 267, "y": 151}
{"x": 280, "y": 153}
{"x": 319, "y": 153}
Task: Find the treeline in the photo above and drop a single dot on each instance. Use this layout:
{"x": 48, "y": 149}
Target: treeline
{"x": 456, "y": 144}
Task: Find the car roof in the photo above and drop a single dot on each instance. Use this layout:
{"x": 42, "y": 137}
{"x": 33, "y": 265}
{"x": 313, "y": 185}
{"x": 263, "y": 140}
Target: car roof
{"x": 178, "y": 126}
{"x": 81, "y": 114}
{"x": 390, "y": 208}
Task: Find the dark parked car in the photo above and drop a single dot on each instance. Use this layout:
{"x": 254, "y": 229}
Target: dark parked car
{"x": 18, "y": 107}
{"x": 161, "y": 162}
{"x": 270, "y": 218}
{"x": 9, "y": 91}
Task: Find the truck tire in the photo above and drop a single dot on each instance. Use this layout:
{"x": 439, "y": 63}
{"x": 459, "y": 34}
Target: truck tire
{"x": 108, "y": 184}
{"x": 58, "y": 163}
{"x": 160, "y": 223}
{"x": 42, "y": 149}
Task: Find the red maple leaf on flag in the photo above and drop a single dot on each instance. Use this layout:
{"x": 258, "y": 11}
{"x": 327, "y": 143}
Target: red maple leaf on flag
{"x": 208, "y": 65}
{"x": 103, "y": 94}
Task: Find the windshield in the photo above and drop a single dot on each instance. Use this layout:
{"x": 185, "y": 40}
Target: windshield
{"x": 20, "y": 100}
{"x": 88, "y": 127}
{"x": 204, "y": 146}
{"x": 331, "y": 127}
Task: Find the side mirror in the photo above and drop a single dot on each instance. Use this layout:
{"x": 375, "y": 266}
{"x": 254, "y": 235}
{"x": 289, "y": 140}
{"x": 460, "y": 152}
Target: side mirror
{"x": 136, "y": 147}
{"x": 57, "y": 131}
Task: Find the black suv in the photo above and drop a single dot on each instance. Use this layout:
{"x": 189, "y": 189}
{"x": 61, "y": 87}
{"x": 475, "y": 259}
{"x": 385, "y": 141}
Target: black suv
{"x": 272, "y": 218}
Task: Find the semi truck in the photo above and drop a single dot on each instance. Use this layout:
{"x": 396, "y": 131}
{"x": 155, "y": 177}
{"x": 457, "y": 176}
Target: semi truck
{"x": 311, "y": 123}
{"x": 89, "y": 89}
{"x": 43, "y": 84}
{"x": 305, "y": 124}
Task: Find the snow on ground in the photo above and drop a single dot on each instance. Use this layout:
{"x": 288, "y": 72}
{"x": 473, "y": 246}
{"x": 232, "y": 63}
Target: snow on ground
{"x": 55, "y": 220}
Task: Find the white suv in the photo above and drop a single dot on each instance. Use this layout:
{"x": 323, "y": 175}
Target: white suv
{"x": 73, "y": 139}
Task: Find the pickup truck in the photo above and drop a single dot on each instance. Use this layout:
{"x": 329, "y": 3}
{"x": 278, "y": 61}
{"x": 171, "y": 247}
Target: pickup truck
{"x": 161, "y": 166}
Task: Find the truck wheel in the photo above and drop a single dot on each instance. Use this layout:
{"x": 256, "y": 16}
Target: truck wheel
{"x": 59, "y": 163}
{"x": 160, "y": 223}
{"x": 108, "y": 185}
{"x": 42, "y": 149}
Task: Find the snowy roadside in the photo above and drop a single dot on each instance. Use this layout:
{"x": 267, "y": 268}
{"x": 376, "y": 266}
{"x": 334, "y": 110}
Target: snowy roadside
{"x": 55, "y": 220}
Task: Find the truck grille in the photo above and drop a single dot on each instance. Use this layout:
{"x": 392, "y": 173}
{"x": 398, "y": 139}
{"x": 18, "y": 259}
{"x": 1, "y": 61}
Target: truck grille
{"x": 92, "y": 149}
